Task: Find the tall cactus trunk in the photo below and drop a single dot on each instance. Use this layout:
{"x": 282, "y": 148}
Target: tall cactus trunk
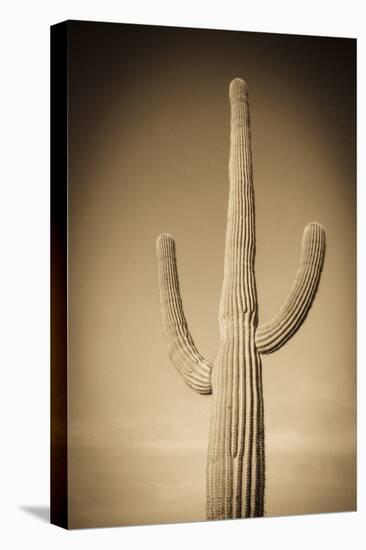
{"x": 236, "y": 466}
{"x": 235, "y": 469}
{"x": 236, "y": 455}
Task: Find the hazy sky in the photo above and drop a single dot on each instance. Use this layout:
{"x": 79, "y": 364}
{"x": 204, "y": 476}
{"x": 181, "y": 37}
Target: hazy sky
{"x": 149, "y": 149}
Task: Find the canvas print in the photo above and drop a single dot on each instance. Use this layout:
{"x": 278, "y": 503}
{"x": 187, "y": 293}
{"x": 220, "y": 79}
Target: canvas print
{"x": 203, "y": 277}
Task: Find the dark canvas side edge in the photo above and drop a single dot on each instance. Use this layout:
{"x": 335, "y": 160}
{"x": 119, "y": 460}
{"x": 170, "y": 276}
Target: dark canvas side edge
{"x": 59, "y": 283}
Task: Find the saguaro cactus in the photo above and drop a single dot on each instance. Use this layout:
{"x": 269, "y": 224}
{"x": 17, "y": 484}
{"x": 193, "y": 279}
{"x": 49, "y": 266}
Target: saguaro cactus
{"x": 236, "y": 458}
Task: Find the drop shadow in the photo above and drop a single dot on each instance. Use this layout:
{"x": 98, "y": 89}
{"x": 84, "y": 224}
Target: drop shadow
{"x": 40, "y": 512}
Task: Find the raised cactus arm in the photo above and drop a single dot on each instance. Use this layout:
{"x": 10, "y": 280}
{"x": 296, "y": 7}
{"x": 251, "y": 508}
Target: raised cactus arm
{"x": 195, "y": 370}
{"x": 274, "y": 334}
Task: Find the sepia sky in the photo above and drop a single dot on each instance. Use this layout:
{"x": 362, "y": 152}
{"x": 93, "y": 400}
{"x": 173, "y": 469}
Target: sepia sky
{"x": 148, "y": 153}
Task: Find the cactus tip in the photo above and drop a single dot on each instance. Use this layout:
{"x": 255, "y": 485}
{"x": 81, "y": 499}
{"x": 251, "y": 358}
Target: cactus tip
{"x": 315, "y": 224}
{"x": 164, "y": 239}
{"x": 237, "y": 85}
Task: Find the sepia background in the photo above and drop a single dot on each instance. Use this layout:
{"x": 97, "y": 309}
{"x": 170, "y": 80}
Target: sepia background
{"x": 148, "y": 153}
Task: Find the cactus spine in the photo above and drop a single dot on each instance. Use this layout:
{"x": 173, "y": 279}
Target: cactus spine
{"x": 236, "y": 457}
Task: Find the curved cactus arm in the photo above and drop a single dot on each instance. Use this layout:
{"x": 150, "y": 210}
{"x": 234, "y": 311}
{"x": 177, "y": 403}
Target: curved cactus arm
{"x": 195, "y": 370}
{"x": 274, "y": 334}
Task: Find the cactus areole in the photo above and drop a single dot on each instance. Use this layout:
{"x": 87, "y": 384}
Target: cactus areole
{"x": 236, "y": 453}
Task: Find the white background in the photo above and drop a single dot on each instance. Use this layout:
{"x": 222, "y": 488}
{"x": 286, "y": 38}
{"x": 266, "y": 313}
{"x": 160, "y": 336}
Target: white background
{"x": 24, "y": 246}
